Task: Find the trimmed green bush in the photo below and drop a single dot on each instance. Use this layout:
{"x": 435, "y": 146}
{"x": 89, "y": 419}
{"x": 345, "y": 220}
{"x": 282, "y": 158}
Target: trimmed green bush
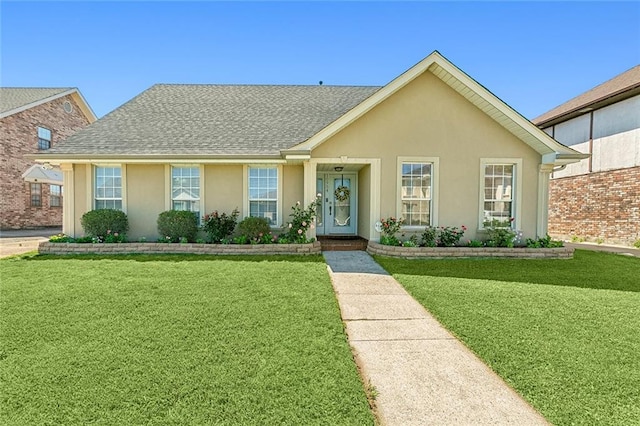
{"x": 219, "y": 226}
{"x": 174, "y": 225}
{"x": 105, "y": 222}
{"x": 254, "y": 228}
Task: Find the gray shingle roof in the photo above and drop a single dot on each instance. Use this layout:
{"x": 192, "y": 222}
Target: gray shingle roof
{"x": 626, "y": 81}
{"x": 16, "y": 97}
{"x": 214, "y": 120}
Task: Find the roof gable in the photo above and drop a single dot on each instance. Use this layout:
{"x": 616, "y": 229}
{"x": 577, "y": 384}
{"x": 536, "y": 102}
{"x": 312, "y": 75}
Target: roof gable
{"x": 17, "y": 99}
{"x": 551, "y": 150}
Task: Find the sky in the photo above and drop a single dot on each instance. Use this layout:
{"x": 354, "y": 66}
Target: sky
{"x": 532, "y": 55}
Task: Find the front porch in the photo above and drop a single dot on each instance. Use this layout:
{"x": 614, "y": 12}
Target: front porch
{"x": 349, "y": 193}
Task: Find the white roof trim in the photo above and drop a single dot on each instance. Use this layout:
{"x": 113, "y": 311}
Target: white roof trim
{"x": 42, "y": 174}
{"x": 435, "y": 63}
{"x": 86, "y": 109}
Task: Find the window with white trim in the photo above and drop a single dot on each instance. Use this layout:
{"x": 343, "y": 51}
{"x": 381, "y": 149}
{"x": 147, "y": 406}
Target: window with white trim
{"x": 417, "y": 190}
{"x": 44, "y": 138}
{"x": 498, "y": 194}
{"x": 108, "y": 187}
{"x": 416, "y": 193}
{"x": 263, "y": 193}
{"x": 55, "y": 196}
{"x": 185, "y": 188}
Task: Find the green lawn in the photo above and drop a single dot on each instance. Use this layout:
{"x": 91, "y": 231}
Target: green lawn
{"x": 564, "y": 333}
{"x": 174, "y": 340}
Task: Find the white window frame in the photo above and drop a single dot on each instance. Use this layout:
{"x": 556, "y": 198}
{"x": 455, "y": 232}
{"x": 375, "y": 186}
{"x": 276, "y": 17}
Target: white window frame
{"x": 245, "y": 186}
{"x": 92, "y": 182}
{"x": 435, "y": 173}
{"x": 168, "y": 198}
{"x": 516, "y": 190}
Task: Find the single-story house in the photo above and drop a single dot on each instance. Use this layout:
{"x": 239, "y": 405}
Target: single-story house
{"x": 433, "y": 146}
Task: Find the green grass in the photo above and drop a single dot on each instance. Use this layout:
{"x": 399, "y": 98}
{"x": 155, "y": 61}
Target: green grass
{"x": 174, "y": 340}
{"x": 565, "y": 334}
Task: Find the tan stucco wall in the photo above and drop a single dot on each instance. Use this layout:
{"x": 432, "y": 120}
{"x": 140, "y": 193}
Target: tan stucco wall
{"x": 145, "y": 199}
{"x": 223, "y": 188}
{"x": 429, "y": 119}
{"x": 292, "y": 189}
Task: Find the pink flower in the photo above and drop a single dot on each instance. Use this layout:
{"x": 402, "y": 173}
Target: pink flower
{"x": 108, "y": 231}
{"x": 299, "y": 231}
{"x": 115, "y": 234}
{"x": 260, "y": 235}
{"x": 297, "y": 203}
{"x": 312, "y": 226}
{"x": 304, "y": 223}
{"x": 290, "y": 226}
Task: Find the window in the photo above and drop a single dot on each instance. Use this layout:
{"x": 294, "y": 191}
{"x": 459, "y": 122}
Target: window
{"x": 108, "y": 187}
{"x": 55, "y": 196}
{"x": 263, "y": 193}
{"x": 185, "y": 188}
{"x": 417, "y": 189}
{"x": 36, "y": 195}
{"x": 498, "y": 207}
{"x": 44, "y": 138}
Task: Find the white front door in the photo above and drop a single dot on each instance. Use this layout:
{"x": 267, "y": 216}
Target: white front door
{"x": 337, "y": 215}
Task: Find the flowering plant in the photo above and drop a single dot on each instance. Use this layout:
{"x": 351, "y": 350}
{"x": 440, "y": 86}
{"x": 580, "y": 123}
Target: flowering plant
{"x": 389, "y": 228}
{"x": 302, "y": 219}
{"x": 219, "y": 226}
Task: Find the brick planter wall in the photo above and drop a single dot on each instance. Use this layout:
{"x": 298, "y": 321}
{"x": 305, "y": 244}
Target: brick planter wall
{"x": 462, "y": 252}
{"x": 160, "y": 248}
{"x": 597, "y": 205}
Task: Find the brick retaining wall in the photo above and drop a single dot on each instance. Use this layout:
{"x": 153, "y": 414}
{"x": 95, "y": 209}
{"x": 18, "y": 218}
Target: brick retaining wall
{"x": 602, "y": 205}
{"x": 461, "y": 252}
{"x": 160, "y": 248}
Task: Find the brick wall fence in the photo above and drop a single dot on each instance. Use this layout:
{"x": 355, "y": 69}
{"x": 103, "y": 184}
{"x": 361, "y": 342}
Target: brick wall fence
{"x": 189, "y": 248}
{"x": 18, "y": 137}
{"x": 453, "y": 252}
{"x": 603, "y": 205}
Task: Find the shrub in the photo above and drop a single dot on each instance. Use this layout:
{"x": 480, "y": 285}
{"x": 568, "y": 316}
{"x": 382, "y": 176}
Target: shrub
{"x": 104, "y": 223}
{"x": 636, "y": 244}
{"x": 430, "y": 236}
{"x": 301, "y": 221}
{"x": 219, "y": 226}
{"x": 176, "y": 224}
{"x": 499, "y": 233}
{"x": 61, "y": 238}
{"x": 450, "y": 236}
{"x": 390, "y": 227}
{"x": 475, "y": 243}
{"x": 544, "y": 242}
{"x": 254, "y": 228}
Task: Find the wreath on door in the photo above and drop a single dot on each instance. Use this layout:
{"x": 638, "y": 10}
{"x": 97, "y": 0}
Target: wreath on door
{"x": 342, "y": 193}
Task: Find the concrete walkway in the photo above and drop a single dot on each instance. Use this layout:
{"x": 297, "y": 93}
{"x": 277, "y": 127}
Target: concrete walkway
{"x": 422, "y": 374}
{"x": 24, "y": 240}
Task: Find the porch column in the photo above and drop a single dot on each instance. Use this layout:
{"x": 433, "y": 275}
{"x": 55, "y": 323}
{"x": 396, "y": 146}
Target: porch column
{"x": 68, "y": 199}
{"x": 542, "y": 225}
{"x": 310, "y": 177}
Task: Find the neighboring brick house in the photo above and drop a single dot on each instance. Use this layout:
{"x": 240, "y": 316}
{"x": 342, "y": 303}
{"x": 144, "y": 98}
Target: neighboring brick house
{"x": 598, "y": 198}
{"x": 32, "y": 120}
